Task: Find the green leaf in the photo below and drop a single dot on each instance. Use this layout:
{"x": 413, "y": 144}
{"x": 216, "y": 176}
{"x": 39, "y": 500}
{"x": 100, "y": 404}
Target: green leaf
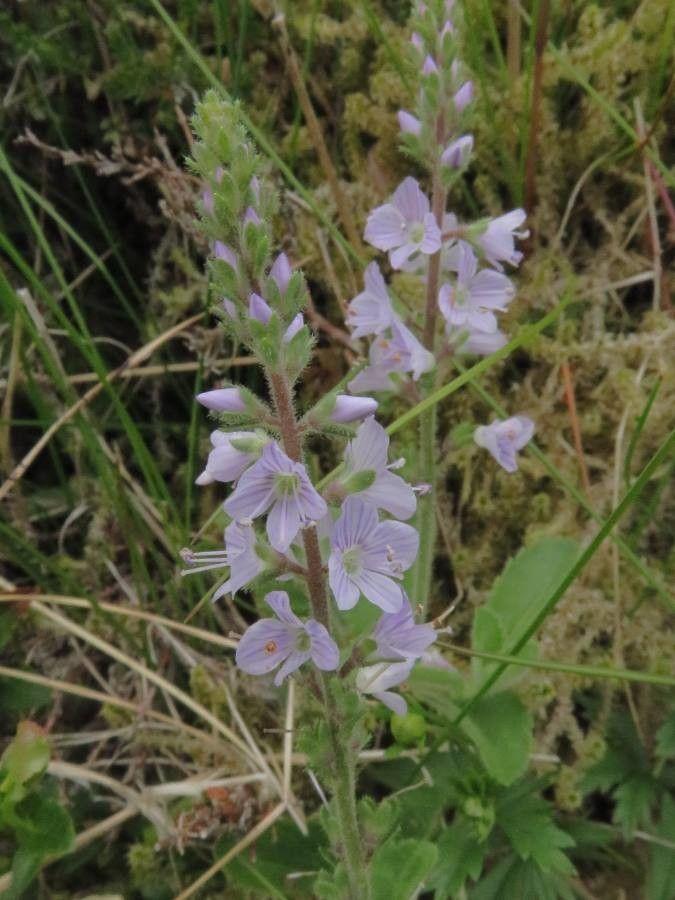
{"x": 634, "y": 798}
{"x": 399, "y": 868}
{"x": 501, "y": 728}
{"x": 527, "y": 821}
{"x": 665, "y": 738}
{"x": 25, "y": 866}
{"x": 518, "y": 597}
{"x": 522, "y": 879}
{"x": 20, "y": 696}
{"x": 24, "y": 760}
{"x": 48, "y": 828}
{"x": 661, "y": 872}
{"x": 460, "y": 856}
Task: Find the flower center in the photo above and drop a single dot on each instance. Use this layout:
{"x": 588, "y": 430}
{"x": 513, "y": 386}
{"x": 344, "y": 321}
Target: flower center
{"x": 351, "y": 560}
{"x": 270, "y": 647}
{"x": 417, "y": 233}
{"x": 303, "y": 642}
{"x": 286, "y": 484}
{"x": 461, "y": 295}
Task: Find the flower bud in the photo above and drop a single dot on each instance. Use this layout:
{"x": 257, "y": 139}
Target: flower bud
{"x": 352, "y": 409}
{"x": 408, "y": 123}
{"x": 222, "y": 400}
{"x": 464, "y": 96}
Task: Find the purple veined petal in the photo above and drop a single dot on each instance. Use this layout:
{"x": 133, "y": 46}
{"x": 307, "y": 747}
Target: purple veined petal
{"x": 372, "y": 378}
{"x": 492, "y": 290}
{"x": 379, "y": 589}
{"x": 395, "y": 542}
{"x": 385, "y": 228}
{"x": 263, "y": 646}
{"x": 370, "y": 312}
{"x": 352, "y": 409}
{"x": 408, "y": 123}
{"x": 346, "y": 594}
{"x": 397, "y": 635}
{"x": 400, "y": 256}
{"x": 245, "y": 564}
{"x": 526, "y": 431}
{"x": 295, "y": 326}
{"x": 225, "y": 463}
{"x": 410, "y": 201}
{"x": 254, "y": 492}
{"x": 382, "y": 676}
{"x": 393, "y": 701}
{"x": 464, "y": 96}
{"x": 281, "y": 272}
{"x": 457, "y": 153}
{"x": 259, "y": 309}
{"x": 295, "y": 659}
{"x": 431, "y": 242}
{"x": 467, "y": 263}
{"x": 498, "y": 239}
{"x": 323, "y": 649}
{"x": 391, "y": 493}
{"x": 368, "y": 450}
{"x": 356, "y": 522}
{"x": 312, "y": 505}
{"x": 222, "y": 400}
{"x": 227, "y": 254}
{"x": 482, "y": 320}
{"x": 420, "y": 359}
{"x": 481, "y": 343}
{"x": 280, "y": 603}
{"x": 283, "y": 523}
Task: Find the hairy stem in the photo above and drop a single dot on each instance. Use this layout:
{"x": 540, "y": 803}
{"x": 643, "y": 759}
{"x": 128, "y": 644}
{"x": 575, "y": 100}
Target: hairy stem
{"x": 426, "y": 516}
{"x": 343, "y": 755}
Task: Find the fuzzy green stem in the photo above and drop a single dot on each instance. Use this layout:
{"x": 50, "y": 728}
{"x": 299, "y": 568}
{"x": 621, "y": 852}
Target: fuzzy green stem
{"x": 343, "y": 757}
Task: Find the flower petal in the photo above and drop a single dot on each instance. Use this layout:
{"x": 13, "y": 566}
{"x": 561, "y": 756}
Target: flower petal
{"x": 385, "y": 228}
{"x": 324, "y": 650}
{"x": 264, "y": 646}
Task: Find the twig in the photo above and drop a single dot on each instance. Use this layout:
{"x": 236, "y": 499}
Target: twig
{"x": 252, "y": 836}
{"x": 135, "y": 358}
{"x": 654, "y": 238}
{"x": 576, "y": 429}
{"x": 535, "y": 117}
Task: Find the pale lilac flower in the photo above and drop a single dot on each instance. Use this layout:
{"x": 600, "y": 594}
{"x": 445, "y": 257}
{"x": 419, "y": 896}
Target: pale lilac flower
{"x": 251, "y": 216}
{"x": 456, "y": 154}
{"x": 401, "y": 352}
{"x": 369, "y": 557}
{"x": 398, "y": 637}
{"x": 226, "y": 253}
{"x": 429, "y": 67}
{"x": 498, "y": 241}
{"x": 238, "y": 554}
{"x": 478, "y": 343}
{"x": 352, "y": 409}
{"x": 469, "y": 303}
{"x": 222, "y": 400}
{"x": 378, "y": 679}
{"x": 232, "y": 454}
{"x": 405, "y": 226}
{"x": 408, "y": 123}
{"x": 281, "y": 272}
{"x": 367, "y": 452}
{"x": 277, "y": 483}
{"x": 295, "y": 326}
{"x": 371, "y": 312}
{"x": 229, "y": 307}
{"x": 260, "y": 310}
{"x": 417, "y": 41}
{"x": 502, "y": 439}
{"x": 270, "y": 642}
{"x": 464, "y": 96}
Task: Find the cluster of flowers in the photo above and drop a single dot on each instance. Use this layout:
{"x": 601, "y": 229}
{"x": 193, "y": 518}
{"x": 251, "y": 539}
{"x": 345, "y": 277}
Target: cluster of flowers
{"x": 364, "y": 556}
{"x": 473, "y": 288}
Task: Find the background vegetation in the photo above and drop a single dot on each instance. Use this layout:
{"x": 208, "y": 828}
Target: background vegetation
{"x": 562, "y": 783}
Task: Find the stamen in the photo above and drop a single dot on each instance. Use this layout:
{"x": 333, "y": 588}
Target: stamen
{"x": 270, "y": 647}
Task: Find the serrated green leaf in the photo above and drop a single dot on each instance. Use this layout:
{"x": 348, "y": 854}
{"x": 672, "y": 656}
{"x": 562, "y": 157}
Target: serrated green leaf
{"x": 399, "y": 868}
{"x": 527, "y": 821}
{"x": 460, "y": 856}
{"x": 634, "y": 798}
